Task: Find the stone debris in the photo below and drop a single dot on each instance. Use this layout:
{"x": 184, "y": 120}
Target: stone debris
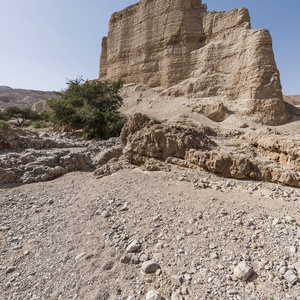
{"x": 192, "y": 202}
{"x": 176, "y": 280}
{"x": 133, "y": 246}
{"x": 150, "y": 266}
{"x": 153, "y": 295}
{"x": 172, "y": 238}
{"x": 243, "y": 271}
{"x": 291, "y": 276}
{"x": 39, "y": 163}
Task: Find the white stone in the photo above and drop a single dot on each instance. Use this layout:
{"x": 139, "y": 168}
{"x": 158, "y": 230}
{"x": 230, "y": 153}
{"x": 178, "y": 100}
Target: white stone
{"x": 153, "y": 295}
{"x": 291, "y": 277}
{"x": 176, "y": 296}
{"x": 133, "y": 246}
{"x": 290, "y": 219}
{"x": 243, "y": 271}
{"x": 150, "y": 266}
{"x": 177, "y": 280}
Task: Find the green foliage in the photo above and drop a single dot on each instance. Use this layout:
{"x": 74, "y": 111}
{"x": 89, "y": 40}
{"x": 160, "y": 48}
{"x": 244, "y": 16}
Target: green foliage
{"x": 4, "y": 124}
{"x": 91, "y": 106}
{"x": 3, "y": 116}
{"x": 39, "y": 124}
{"x": 45, "y": 116}
{"x": 27, "y": 123}
{"x": 21, "y": 115}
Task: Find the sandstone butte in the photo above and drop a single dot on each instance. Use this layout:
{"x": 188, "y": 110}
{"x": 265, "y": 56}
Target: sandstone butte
{"x": 189, "y": 51}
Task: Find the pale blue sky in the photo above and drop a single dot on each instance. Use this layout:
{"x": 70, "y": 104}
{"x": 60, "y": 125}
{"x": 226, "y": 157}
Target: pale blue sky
{"x": 43, "y": 42}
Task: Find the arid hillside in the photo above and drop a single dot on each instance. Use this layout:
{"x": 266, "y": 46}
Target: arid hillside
{"x": 292, "y": 99}
{"x": 21, "y": 98}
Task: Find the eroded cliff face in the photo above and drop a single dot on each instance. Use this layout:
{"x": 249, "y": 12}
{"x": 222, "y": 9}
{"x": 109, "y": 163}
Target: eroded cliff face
{"x": 190, "y": 51}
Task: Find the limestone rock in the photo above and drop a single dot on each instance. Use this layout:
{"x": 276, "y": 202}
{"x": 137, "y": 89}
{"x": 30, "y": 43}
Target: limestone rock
{"x": 187, "y": 50}
{"x": 282, "y": 149}
{"x": 155, "y": 145}
{"x": 153, "y": 295}
{"x": 41, "y": 165}
{"x": 21, "y": 139}
{"x": 176, "y": 296}
{"x": 40, "y": 107}
{"x": 243, "y": 271}
{"x": 108, "y": 154}
{"x": 291, "y": 277}
{"x": 228, "y": 165}
{"x": 133, "y": 246}
{"x": 150, "y": 266}
{"x": 176, "y": 280}
{"x": 145, "y": 138}
{"x": 216, "y": 112}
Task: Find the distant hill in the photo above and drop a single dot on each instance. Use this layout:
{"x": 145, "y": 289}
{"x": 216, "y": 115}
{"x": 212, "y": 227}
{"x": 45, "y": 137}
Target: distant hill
{"x": 21, "y": 98}
{"x": 293, "y": 99}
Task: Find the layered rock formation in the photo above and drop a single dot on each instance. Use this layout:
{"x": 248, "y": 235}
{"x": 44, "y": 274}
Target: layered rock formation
{"x": 27, "y": 157}
{"x": 187, "y": 50}
{"x": 153, "y": 145}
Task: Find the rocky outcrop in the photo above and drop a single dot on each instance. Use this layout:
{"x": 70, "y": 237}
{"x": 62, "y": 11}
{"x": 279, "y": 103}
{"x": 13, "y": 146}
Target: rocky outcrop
{"x": 21, "y": 139}
{"x": 41, "y": 165}
{"x": 284, "y": 150}
{"x": 153, "y": 144}
{"x": 187, "y": 50}
{"x": 216, "y": 112}
{"x": 240, "y": 167}
{"x": 40, "y": 107}
{"x": 145, "y": 138}
{"x": 26, "y": 157}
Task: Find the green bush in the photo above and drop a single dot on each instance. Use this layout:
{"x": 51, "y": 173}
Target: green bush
{"x": 4, "y": 116}
{"x": 27, "y": 123}
{"x": 45, "y": 116}
{"x": 5, "y": 125}
{"x": 21, "y": 115}
{"x": 39, "y": 124}
{"x": 91, "y": 106}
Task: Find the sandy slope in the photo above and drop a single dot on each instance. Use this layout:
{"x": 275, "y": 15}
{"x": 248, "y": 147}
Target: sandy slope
{"x": 62, "y": 246}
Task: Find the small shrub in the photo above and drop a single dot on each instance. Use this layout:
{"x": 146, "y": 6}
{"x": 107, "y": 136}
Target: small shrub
{"x": 21, "y": 115}
{"x": 39, "y": 124}
{"x": 45, "y": 115}
{"x": 27, "y": 123}
{"x": 5, "y": 125}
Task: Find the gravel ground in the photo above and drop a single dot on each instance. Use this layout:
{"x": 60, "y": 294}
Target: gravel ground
{"x": 68, "y": 238}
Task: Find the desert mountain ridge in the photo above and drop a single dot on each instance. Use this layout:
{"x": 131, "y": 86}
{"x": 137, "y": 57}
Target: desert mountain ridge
{"x": 22, "y": 98}
{"x": 292, "y": 99}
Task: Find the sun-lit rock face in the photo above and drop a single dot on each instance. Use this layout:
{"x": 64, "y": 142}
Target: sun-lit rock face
{"x": 189, "y": 51}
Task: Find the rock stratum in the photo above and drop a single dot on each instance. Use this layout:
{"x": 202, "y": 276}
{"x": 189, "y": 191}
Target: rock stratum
{"x": 189, "y": 51}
